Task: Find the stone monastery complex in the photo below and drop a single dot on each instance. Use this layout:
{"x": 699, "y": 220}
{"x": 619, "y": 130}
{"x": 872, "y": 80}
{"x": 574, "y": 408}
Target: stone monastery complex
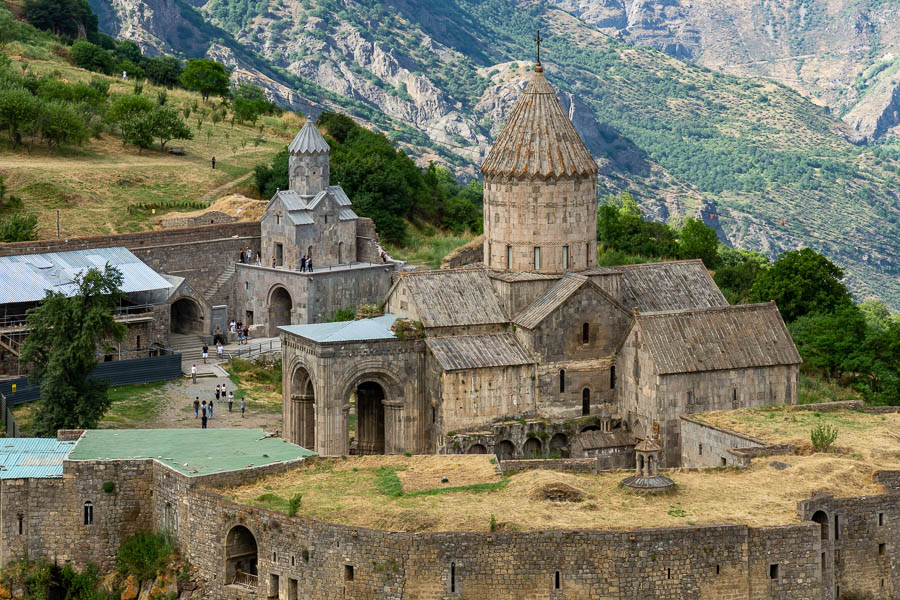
{"x": 533, "y": 353}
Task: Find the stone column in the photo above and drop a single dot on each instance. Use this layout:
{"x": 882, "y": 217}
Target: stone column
{"x": 395, "y": 434}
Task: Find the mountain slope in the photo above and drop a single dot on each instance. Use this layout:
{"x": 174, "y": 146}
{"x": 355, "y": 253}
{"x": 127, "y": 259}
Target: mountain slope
{"x": 776, "y": 170}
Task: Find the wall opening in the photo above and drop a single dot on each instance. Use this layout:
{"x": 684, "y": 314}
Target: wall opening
{"x": 185, "y": 317}
{"x": 348, "y": 572}
{"x": 279, "y": 254}
{"x": 700, "y": 450}
{"x": 724, "y": 462}
{"x": 532, "y": 448}
{"x": 882, "y": 549}
{"x": 309, "y": 252}
{"x": 559, "y": 445}
{"x": 537, "y": 258}
{"x": 293, "y": 589}
{"x": 506, "y": 450}
{"x": 305, "y": 555}
{"x": 88, "y": 513}
{"x": 280, "y": 305}
{"x": 274, "y": 585}
{"x": 556, "y": 581}
{"x": 21, "y": 519}
{"x": 612, "y": 377}
{"x": 303, "y": 410}
{"x": 370, "y": 418}
{"x": 837, "y": 528}
{"x": 476, "y": 449}
{"x": 824, "y": 563}
{"x": 881, "y": 519}
{"x": 240, "y": 557}
{"x": 773, "y": 571}
{"x": 509, "y": 257}
{"x": 585, "y": 401}
{"x": 562, "y": 380}
{"x": 340, "y": 252}
{"x": 452, "y": 578}
{"x": 822, "y": 519}
{"x": 717, "y": 569}
{"x": 565, "y": 257}
{"x": 585, "y": 333}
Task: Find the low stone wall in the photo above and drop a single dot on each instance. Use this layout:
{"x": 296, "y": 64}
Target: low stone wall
{"x": 577, "y": 465}
{"x": 704, "y": 445}
{"x": 890, "y": 480}
{"x": 467, "y": 254}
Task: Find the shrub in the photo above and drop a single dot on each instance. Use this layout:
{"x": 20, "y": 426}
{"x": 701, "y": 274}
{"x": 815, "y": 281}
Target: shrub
{"x": 18, "y": 227}
{"x": 145, "y": 555}
{"x": 109, "y": 486}
{"x": 294, "y": 505}
{"x": 493, "y": 522}
{"x": 823, "y": 437}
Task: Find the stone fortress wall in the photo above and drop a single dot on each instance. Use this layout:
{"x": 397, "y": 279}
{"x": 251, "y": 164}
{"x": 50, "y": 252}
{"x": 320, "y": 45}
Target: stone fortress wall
{"x": 299, "y": 557}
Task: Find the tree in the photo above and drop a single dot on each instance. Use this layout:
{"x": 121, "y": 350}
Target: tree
{"x": 92, "y": 57}
{"x": 17, "y": 109}
{"x": 698, "y": 240}
{"x": 60, "y": 124}
{"x": 9, "y": 28}
{"x": 137, "y": 130}
{"x": 206, "y": 76}
{"x": 18, "y": 227}
{"x": 801, "y": 282}
{"x": 66, "y": 332}
{"x": 71, "y": 18}
{"x": 166, "y": 125}
{"x": 249, "y": 103}
{"x": 162, "y": 70}
{"x": 736, "y": 281}
{"x": 832, "y": 342}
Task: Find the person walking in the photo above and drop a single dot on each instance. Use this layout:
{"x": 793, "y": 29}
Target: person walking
{"x": 203, "y": 421}
{"x": 230, "y": 400}
{"x": 231, "y": 325}
{"x": 196, "y": 407}
{"x": 246, "y": 334}
{"x": 194, "y": 374}
{"x": 210, "y": 408}
{"x": 220, "y": 350}
{"x": 303, "y": 264}
{"x": 249, "y": 255}
{"x": 223, "y": 390}
{"x": 241, "y": 254}
{"x": 205, "y": 353}
{"x": 218, "y": 391}
{"x": 309, "y": 264}
{"x": 243, "y": 406}
{"x": 213, "y": 162}
{"x": 258, "y": 259}
{"x": 240, "y": 333}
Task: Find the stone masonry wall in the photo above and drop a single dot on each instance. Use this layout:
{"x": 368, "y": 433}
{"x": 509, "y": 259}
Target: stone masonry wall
{"x": 703, "y": 445}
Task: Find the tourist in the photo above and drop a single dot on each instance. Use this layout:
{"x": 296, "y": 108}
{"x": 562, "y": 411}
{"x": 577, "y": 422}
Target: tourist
{"x": 203, "y": 410}
{"x": 246, "y": 334}
{"x": 273, "y": 262}
{"x": 203, "y": 421}
{"x": 213, "y": 162}
{"x": 231, "y": 325}
{"x": 223, "y": 390}
{"x": 194, "y": 374}
{"x": 220, "y": 350}
{"x": 230, "y": 400}
{"x": 210, "y": 408}
{"x": 218, "y": 391}
{"x": 196, "y": 407}
{"x": 205, "y": 353}
{"x": 241, "y": 255}
{"x": 303, "y": 264}
{"x": 249, "y": 255}
{"x": 240, "y": 333}
{"x": 243, "y": 406}
{"x": 258, "y": 259}
{"x": 309, "y": 264}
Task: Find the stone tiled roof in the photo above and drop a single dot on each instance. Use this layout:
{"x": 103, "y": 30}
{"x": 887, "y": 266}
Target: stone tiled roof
{"x": 538, "y": 139}
{"x": 550, "y": 300}
{"x": 673, "y": 285}
{"x": 299, "y": 208}
{"x": 478, "y": 351}
{"x": 648, "y": 445}
{"x": 592, "y": 440}
{"x": 308, "y": 140}
{"x": 521, "y": 275}
{"x": 454, "y": 297}
{"x": 732, "y": 337}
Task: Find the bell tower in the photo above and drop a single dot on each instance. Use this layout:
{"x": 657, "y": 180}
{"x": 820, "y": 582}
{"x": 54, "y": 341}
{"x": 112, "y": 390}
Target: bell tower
{"x": 308, "y": 165}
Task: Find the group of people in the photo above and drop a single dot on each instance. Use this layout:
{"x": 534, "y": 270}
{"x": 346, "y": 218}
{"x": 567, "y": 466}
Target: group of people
{"x": 306, "y": 264}
{"x": 247, "y": 256}
{"x": 204, "y": 410}
{"x": 243, "y": 332}
{"x": 220, "y": 351}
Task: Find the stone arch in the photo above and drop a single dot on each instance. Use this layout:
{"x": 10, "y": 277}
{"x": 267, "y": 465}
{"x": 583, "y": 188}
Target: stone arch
{"x": 280, "y": 304}
{"x": 370, "y": 419}
{"x": 532, "y": 448}
{"x": 241, "y": 557}
{"x": 301, "y": 418}
{"x": 559, "y": 444}
{"x": 340, "y": 255}
{"x": 186, "y": 316}
{"x": 506, "y": 450}
{"x": 476, "y": 449}
{"x": 590, "y": 428}
{"x": 821, "y": 517}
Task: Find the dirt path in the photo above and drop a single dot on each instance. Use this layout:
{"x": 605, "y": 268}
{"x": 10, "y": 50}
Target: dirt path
{"x": 214, "y": 194}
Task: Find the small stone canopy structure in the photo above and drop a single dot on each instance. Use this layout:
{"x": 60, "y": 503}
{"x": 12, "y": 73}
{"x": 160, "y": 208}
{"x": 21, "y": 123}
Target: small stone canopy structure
{"x": 647, "y": 478}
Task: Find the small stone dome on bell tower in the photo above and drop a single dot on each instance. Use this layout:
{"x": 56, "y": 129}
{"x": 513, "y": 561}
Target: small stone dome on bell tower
{"x": 308, "y": 164}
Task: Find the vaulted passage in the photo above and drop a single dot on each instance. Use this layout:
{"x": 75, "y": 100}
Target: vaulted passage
{"x": 370, "y": 418}
{"x": 280, "y": 305}
{"x": 185, "y": 317}
{"x": 301, "y": 425}
{"x": 240, "y": 557}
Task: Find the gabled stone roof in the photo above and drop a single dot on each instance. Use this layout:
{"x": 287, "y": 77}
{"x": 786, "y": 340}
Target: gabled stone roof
{"x": 459, "y": 352}
{"x": 713, "y": 339}
{"x": 299, "y": 208}
{"x": 538, "y": 139}
{"x": 676, "y": 285}
{"x": 453, "y": 297}
{"x": 550, "y": 300}
{"x": 648, "y": 445}
{"x": 309, "y": 140}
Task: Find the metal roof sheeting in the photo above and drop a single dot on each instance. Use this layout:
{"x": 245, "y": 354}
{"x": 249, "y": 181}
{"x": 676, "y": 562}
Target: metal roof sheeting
{"x": 27, "y": 278}
{"x": 308, "y": 140}
{"x": 300, "y": 208}
{"x": 378, "y": 328}
{"x": 25, "y": 458}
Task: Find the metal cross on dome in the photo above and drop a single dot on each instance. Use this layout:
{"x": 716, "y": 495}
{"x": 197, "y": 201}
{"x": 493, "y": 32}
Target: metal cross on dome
{"x": 538, "y": 39}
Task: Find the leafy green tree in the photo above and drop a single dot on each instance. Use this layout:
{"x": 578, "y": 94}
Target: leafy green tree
{"x": 698, "y": 240}
{"x": 18, "y": 108}
{"x": 61, "y": 124}
{"x": 801, "y": 282}
{"x": 92, "y": 57}
{"x": 163, "y": 70}
{"x": 736, "y": 281}
{"x": 128, "y": 50}
{"x": 206, "y": 76}
{"x": 71, "y": 18}
{"x": 881, "y": 383}
{"x": 167, "y": 125}
{"x": 18, "y": 227}
{"x": 137, "y": 130}
{"x": 249, "y": 103}
{"x": 877, "y": 314}
{"x": 9, "y": 28}
{"x": 833, "y": 342}
{"x": 66, "y": 332}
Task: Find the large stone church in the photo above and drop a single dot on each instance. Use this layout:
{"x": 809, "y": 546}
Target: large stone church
{"x": 537, "y": 351}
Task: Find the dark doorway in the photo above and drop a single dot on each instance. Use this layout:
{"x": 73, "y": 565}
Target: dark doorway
{"x": 477, "y": 449}
{"x": 506, "y": 450}
{"x": 559, "y": 444}
{"x": 280, "y": 306}
{"x": 303, "y": 414}
{"x": 240, "y": 557}
{"x": 822, "y": 519}
{"x": 370, "y": 418}
{"x": 185, "y": 317}
{"x": 532, "y": 448}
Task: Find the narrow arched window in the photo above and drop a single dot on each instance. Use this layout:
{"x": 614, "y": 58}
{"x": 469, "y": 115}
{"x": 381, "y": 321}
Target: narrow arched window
{"x": 612, "y": 377}
{"x": 509, "y": 257}
{"x": 565, "y": 257}
{"x": 88, "y": 513}
{"x": 562, "y": 380}
{"x": 585, "y": 333}
{"x": 537, "y": 258}
{"x": 453, "y": 578}
{"x": 585, "y": 401}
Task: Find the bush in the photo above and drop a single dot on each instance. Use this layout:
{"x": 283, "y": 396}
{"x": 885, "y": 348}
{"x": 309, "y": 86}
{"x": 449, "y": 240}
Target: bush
{"x": 109, "y": 487}
{"x": 823, "y": 437}
{"x": 18, "y": 227}
{"x": 92, "y": 57}
{"x": 294, "y": 505}
{"x": 145, "y": 555}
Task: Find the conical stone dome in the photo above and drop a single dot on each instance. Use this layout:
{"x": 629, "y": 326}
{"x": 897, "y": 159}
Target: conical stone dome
{"x": 309, "y": 140}
{"x": 309, "y": 169}
{"x": 539, "y": 140}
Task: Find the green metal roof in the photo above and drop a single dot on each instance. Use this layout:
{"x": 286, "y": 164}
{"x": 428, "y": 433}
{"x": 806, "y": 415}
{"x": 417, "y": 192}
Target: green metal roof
{"x": 192, "y": 452}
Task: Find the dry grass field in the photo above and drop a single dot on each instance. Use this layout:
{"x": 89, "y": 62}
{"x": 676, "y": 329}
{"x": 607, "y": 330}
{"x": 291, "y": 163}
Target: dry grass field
{"x": 406, "y": 493}
{"x": 93, "y": 185}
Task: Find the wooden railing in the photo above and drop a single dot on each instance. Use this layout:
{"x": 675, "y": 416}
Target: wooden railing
{"x": 244, "y": 579}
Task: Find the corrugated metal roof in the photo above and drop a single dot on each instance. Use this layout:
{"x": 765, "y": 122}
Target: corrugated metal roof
{"x": 308, "y": 140}
{"x": 711, "y": 339}
{"x": 24, "y": 458}
{"x": 339, "y": 195}
{"x": 347, "y": 214}
{"x": 27, "y": 278}
{"x": 299, "y": 208}
{"x": 378, "y": 328}
{"x": 459, "y": 352}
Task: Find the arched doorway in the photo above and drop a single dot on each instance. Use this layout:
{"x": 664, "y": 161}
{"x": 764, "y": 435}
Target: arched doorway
{"x": 532, "y": 448}
{"x": 240, "y": 557}
{"x": 476, "y": 449}
{"x": 506, "y": 450}
{"x": 185, "y": 316}
{"x": 302, "y": 419}
{"x": 559, "y": 444}
{"x": 280, "y": 305}
{"x": 370, "y": 418}
{"x": 821, "y": 518}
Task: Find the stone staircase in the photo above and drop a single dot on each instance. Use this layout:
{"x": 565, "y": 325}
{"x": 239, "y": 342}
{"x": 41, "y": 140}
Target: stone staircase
{"x": 191, "y": 348}
{"x": 220, "y": 281}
